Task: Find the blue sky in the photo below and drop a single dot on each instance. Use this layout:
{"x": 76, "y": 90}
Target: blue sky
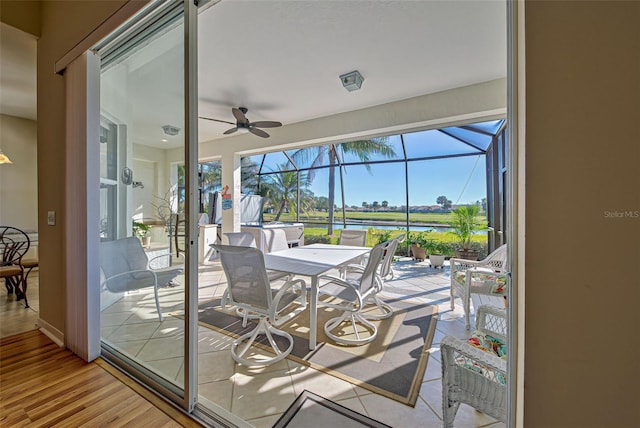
{"x": 427, "y": 181}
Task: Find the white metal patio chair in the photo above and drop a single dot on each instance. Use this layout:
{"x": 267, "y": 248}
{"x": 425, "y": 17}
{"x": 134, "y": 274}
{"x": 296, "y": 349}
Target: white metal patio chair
{"x": 468, "y": 276}
{"x": 126, "y": 267}
{"x": 241, "y": 239}
{"x": 474, "y": 375}
{"x": 246, "y": 239}
{"x": 384, "y": 271}
{"x": 250, "y": 290}
{"x": 275, "y": 240}
{"x": 352, "y": 294}
{"x": 355, "y": 237}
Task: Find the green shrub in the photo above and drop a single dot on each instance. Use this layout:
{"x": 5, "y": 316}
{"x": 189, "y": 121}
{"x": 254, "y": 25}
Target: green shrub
{"x": 317, "y": 239}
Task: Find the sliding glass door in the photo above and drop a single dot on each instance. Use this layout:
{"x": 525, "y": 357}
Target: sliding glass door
{"x": 144, "y": 248}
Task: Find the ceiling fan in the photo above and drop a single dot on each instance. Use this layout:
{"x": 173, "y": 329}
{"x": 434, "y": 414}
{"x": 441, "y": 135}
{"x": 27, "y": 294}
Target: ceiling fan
{"x": 243, "y": 123}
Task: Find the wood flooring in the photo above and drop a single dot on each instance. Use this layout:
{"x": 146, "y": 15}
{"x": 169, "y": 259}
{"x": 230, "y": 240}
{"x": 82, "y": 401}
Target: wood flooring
{"x": 42, "y": 385}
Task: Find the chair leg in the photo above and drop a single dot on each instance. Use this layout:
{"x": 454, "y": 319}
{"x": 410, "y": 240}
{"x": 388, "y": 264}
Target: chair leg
{"x": 354, "y": 318}
{"x": 23, "y": 280}
{"x": 155, "y": 292}
{"x": 467, "y": 307}
{"x": 383, "y": 307}
{"x": 268, "y": 330}
{"x": 452, "y": 298}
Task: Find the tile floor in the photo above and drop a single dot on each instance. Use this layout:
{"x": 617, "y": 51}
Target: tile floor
{"x": 259, "y": 396}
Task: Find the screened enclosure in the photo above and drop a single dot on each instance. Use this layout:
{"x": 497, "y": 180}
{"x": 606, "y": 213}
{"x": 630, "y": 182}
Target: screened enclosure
{"x": 392, "y": 182}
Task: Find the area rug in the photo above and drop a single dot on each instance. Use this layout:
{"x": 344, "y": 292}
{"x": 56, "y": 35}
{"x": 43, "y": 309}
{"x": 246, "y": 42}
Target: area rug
{"x": 309, "y": 408}
{"x": 392, "y": 365}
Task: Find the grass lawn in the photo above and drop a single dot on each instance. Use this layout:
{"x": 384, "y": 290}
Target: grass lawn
{"x": 426, "y": 218}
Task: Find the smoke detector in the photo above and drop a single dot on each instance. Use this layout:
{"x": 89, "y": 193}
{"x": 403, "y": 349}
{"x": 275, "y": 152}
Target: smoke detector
{"x": 170, "y": 130}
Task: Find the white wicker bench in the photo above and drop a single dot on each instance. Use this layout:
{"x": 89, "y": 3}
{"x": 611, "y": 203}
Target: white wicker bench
{"x": 473, "y": 376}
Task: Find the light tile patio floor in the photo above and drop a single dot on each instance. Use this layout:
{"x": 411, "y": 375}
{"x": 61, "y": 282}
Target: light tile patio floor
{"x": 259, "y": 396}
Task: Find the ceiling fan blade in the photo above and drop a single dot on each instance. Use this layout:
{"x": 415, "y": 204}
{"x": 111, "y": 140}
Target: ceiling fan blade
{"x": 216, "y": 120}
{"x": 258, "y": 132}
{"x": 266, "y": 124}
{"x": 239, "y": 115}
{"x": 230, "y": 131}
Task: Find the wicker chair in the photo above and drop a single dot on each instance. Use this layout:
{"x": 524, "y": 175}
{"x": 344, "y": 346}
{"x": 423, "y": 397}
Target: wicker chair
{"x": 474, "y": 376}
{"x": 468, "y": 276}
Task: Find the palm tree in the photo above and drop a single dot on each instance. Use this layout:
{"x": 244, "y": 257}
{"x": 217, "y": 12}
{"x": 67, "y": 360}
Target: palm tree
{"x": 363, "y": 149}
{"x": 281, "y": 189}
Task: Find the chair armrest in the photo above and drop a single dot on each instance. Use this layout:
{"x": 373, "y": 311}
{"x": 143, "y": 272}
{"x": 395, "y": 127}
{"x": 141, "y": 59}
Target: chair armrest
{"x": 331, "y": 279}
{"x": 463, "y": 264}
{"x": 452, "y": 347}
{"x": 273, "y": 310}
{"x": 492, "y": 320}
{"x": 155, "y": 277}
{"x": 157, "y": 257}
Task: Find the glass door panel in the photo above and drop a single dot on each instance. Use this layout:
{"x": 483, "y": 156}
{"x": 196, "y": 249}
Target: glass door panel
{"x": 143, "y": 276}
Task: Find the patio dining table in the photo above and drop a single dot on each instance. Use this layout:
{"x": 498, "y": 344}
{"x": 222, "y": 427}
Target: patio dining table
{"x": 313, "y": 261}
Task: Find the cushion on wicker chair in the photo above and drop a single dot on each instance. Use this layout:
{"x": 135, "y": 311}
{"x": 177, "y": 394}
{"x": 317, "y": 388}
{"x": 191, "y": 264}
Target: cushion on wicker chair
{"x": 491, "y": 345}
{"x": 497, "y": 282}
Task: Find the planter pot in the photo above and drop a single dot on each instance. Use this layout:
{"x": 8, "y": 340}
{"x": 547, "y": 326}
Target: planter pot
{"x": 436, "y": 260}
{"x": 418, "y": 253}
{"x": 146, "y": 241}
{"x": 467, "y": 254}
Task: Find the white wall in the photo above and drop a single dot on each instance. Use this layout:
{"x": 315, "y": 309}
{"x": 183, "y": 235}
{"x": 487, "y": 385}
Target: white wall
{"x": 19, "y": 181}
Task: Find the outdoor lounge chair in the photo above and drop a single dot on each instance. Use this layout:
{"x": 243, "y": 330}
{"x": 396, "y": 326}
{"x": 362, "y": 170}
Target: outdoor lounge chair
{"x": 469, "y": 276}
{"x": 126, "y": 267}
{"x": 474, "y": 371}
{"x": 250, "y": 289}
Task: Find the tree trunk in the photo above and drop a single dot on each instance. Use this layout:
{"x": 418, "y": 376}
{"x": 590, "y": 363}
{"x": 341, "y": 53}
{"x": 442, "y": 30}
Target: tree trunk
{"x": 280, "y": 209}
{"x": 332, "y": 185}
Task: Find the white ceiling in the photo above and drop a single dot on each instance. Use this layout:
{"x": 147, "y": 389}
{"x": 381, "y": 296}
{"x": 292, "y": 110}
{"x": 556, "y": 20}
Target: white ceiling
{"x": 18, "y": 53}
{"x": 282, "y": 59}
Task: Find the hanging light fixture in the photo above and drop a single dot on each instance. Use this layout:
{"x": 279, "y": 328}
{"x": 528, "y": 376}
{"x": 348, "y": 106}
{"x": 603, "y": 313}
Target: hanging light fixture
{"x": 4, "y": 158}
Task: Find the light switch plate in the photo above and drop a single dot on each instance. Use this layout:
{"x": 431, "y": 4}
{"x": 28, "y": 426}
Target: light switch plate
{"x": 51, "y": 218}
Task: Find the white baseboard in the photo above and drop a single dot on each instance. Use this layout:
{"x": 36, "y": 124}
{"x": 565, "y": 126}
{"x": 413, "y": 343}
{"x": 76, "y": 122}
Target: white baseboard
{"x": 51, "y": 332}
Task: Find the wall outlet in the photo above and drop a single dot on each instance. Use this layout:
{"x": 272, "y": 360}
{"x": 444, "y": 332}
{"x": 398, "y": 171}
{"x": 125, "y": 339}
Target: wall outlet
{"x": 51, "y": 218}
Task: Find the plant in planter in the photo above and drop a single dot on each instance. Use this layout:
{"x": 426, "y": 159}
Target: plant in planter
{"x": 437, "y": 251}
{"x": 141, "y": 230}
{"x": 465, "y": 225}
{"x": 419, "y": 243}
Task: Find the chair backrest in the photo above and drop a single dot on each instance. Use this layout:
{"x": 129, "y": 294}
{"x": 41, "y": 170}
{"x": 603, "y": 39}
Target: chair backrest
{"x": 355, "y": 237}
{"x": 369, "y": 275}
{"x": 241, "y": 239}
{"x": 498, "y": 259}
{"x": 14, "y": 244}
{"x": 247, "y": 279}
{"x": 275, "y": 240}
{"x": 387, "y": 258}
{"x": 120, "y": 256}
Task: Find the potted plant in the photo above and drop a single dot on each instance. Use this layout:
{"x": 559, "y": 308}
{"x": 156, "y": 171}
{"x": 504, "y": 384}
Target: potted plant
{"x": 141, "y": 230}
{"x": 465, "y": 225}
{"x": 419, "y": 242}
{"x": 437, "y": 251}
